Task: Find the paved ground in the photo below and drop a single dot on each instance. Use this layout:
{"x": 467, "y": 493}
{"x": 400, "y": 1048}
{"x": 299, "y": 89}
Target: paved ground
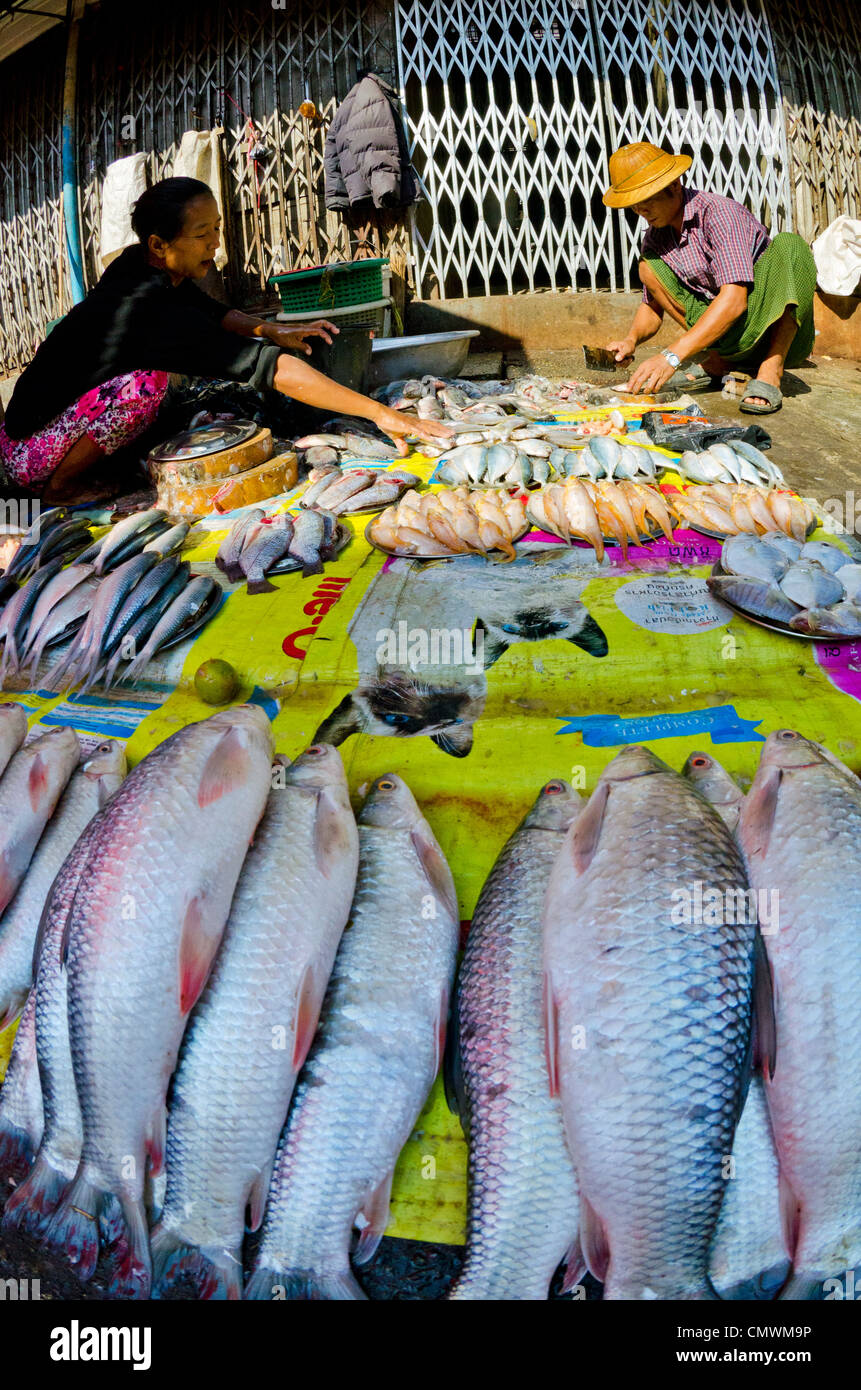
{"x": 815, "y": 435}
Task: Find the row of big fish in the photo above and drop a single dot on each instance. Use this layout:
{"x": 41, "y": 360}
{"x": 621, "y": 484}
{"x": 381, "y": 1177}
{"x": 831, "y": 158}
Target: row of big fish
{"x": 84, "y": 1126}
{"x": 531, "y": 458}
{"x": 654, "y": 1088}
{"x": 354, "y": 490}
{"x": 731, "y": 508}
{"x": 724, "y": 463}
{"x": 662, "y": 1158}
{"x": 453, "y": 521}
{"x": 814, "y": 588}
{"x": 621, "y": 512}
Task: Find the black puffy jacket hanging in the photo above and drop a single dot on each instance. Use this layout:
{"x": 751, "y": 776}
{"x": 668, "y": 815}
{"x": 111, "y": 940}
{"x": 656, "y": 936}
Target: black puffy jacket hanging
{"x": 366, "y": 157}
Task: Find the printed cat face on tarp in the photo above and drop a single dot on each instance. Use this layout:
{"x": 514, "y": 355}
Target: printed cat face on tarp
{"x": 445, "y": 624}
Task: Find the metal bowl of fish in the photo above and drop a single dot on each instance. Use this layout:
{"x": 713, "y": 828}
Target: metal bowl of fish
{"x": 450, "y": 522}
{"x": 355, "y": 491}
{"x": 723, "y": 510}
{"x": 810, "y": 590}
{"x": 536, "y": 455}
{"x": 204, "y": 614}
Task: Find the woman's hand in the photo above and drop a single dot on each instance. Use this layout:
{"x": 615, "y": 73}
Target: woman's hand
{"x": 650, "y": 376}
{"x": 295, "y": 338}
{"x": 623, "y": 349}
{"x": 396, "y": 425}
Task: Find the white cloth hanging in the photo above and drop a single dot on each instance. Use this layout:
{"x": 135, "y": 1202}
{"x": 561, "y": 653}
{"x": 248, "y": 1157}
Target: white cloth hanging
{"x": 837, "y": 253}
{"x": 199, "y": 157}
{"x": 125, "y": 181}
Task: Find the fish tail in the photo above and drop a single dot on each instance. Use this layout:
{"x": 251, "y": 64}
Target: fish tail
{"x": 213, "y": 1272}
{"x": 33, "y": 1203}
{"x": 310, "y": 567}
{"x": 760, "y": 1287}
{"x": 16, "y": 1152}
{"x": 802, "y": 1287}
{"x": 260, "y": 586}
{"x": 73, "y": 1230}
{"x": 123, "y": 1227}
{"x": 303, "y": 1285}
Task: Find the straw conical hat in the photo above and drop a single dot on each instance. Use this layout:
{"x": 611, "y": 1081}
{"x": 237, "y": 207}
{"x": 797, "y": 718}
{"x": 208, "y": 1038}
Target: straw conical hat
{"x": 638, "y": 171}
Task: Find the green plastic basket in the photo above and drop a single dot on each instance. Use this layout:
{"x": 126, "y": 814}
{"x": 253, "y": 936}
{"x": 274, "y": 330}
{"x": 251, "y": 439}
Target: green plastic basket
{"x": 333, "y": 286}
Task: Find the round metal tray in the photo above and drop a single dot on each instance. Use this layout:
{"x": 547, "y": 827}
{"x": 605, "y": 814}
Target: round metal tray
{"x": 773, "y": 625}
{"x": 204, "y": 439}
{"x": 492, "y": 555}
{"x": 209, "y": 610}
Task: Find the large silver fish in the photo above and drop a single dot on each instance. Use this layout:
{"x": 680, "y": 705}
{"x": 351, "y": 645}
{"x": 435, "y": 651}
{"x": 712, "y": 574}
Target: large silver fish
{"x": 21, "y": 1115}
{"x": 523, "y": 1207}
{"x": 648, "y": 994}
{"x": 82, "y": 798}
{"x": 31, "y": 787}
{"x": 377, "y": 1051}
{"x": 748, "y": 1258}
{"x": 250, "y": 1033}
{"x": 269, "y": 545}
{"x": 178, "y": 615}
{"x": 801, "y": 833}
{"x": 57, "y": 1160}
{"x": 143, "y": 931}
{"x": 116, "y": 538}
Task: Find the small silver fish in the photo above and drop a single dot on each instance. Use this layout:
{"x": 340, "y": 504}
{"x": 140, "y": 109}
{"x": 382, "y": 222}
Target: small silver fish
{"x": 308, "y": 537}
{"x": 270, "y": 545}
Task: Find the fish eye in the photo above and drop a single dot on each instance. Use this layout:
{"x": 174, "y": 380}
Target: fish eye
{"x": 699, "y": 762}
{"x": 553, "y": 788}
{"x": 386, "y": 784}
{"x": 316, "y": 749}
{"x": 787, "y": 734}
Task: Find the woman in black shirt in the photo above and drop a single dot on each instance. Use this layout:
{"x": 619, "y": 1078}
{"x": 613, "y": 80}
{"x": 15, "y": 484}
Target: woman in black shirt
{"x": 98, "y": 379}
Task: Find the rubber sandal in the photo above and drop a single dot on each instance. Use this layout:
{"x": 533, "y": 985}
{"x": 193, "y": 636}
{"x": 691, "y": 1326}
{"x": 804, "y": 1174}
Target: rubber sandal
{"x": 772, "y": 394}
{"x": 693, "y": 378}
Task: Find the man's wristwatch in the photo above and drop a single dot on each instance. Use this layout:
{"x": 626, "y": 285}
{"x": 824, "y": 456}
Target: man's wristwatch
{"x": 674, "y": 361}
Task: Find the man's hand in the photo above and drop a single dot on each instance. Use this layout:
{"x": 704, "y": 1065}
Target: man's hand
{"x": 397, "y": 425}
{"x": 623, "y": 349}
{"x": 295, "y": 338}
{"x": 650, "y": 376}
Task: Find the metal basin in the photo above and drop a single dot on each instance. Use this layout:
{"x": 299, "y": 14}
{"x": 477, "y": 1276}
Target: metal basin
{"x": 437, "y": 354}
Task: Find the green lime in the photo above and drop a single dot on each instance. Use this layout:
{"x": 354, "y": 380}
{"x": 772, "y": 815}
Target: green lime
{"x": 216, "y": 682}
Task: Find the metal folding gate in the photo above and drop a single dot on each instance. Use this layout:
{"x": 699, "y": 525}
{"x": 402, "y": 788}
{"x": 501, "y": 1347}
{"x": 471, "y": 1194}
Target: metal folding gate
{"x": 513, "y": 108}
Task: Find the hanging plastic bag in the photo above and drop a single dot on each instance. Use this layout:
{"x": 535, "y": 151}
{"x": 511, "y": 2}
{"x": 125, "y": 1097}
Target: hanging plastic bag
{"x": 837, "y": 253}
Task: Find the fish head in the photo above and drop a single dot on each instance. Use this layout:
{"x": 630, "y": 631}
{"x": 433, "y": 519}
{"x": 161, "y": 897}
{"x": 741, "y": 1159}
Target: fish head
{"x": 107, "y": 766}
{"x": 14, "y": 719}
{"x": 389, "y": 804}
{"x": 555, "y": 807}
{"x": 318, "y": 767}
{"x": 56, "y": 743}
{"x": 789, "y": 750}
{"x": 633, "y": 761}
{"x": 711, "y": 779}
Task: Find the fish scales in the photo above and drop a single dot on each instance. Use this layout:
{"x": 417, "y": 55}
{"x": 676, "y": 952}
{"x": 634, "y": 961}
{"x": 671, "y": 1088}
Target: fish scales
{"x": 374, "y": 1059}
{"x": 523, "y": 1207}
{"x": 233, "y": 1084}
{"x": 21, "y": 1112}
{"x": 801, "y": 831}
{"x": 79, "y": 802}
{"x": 650, "y": 1023}
{"x": 143, "y": 931}
{"x": 37, "y": 1197}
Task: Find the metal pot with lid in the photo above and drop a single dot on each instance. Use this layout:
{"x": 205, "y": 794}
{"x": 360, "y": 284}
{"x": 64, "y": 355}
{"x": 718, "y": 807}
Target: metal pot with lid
{"x": 204, "y": 439}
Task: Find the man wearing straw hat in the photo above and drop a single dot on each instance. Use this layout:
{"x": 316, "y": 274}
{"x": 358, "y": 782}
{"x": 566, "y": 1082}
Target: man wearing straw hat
{"x": 708, "y": 263}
